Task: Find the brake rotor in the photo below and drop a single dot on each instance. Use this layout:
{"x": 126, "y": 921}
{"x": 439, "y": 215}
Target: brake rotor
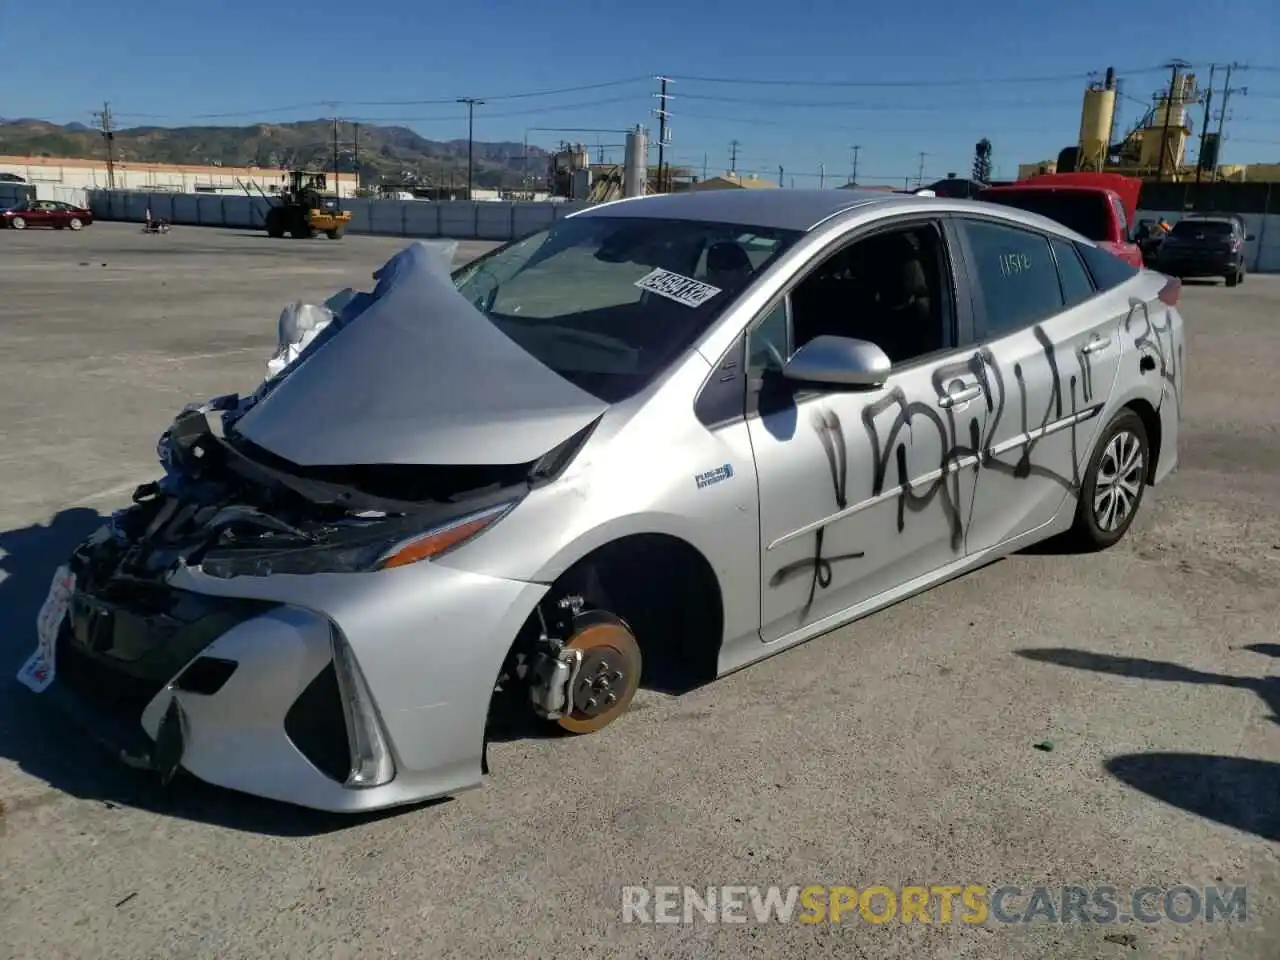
{"x": 607, "y": 678}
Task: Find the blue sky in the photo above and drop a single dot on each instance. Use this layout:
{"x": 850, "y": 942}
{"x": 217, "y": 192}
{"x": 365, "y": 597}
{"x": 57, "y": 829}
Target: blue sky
{"x": 802, "y": 82}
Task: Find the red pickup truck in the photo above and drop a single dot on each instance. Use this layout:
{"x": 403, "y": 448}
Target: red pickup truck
{"x": 1100, "y": 206}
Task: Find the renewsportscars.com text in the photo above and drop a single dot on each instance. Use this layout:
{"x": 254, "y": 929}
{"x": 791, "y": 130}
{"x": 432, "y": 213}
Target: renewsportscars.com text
{"x": 934, "y": 904}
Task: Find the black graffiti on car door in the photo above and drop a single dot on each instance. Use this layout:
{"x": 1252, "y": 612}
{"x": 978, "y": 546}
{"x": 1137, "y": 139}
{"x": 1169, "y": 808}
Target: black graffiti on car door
{"x": 831, "y": 434}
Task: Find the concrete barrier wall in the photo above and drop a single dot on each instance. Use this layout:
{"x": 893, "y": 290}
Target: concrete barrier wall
{"x": 459, "y": 220}
{"x": 456, "y": 220}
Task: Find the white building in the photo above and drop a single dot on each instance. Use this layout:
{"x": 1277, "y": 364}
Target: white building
{"x": 58, "y": 178}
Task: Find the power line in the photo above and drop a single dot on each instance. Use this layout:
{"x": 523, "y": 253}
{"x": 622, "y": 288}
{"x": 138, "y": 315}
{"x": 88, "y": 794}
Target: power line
{"x": 976, "y": 81}
{"x": 441, "y": 101}
{"x": 580, "y": 88}
{"x": 878, "y": 106}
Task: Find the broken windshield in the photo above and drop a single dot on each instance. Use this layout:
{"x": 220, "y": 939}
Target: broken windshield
{"x": 609, "y": 302}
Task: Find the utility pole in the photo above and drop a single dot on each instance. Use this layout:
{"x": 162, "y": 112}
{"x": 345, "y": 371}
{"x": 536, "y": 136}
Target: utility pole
{"x": 822, "y": 176}
{"x": 355, "y": 151}
{"x": 661, "y": 114}
{"x": 733, "y": 156}
{"x": 920, "y": 174}
{"x": 704, "y": 167}
{"x": 1227, "y": 91}
{"x": 336, "y": 192}
{"x": 853, "y": 173}
{"x": 1176, "y": 66}
{"x": 1204, "y": 123}
{"x": 471, "y": 103}
{"x": 780, "y": 184}
{"x": 108, "y": 137}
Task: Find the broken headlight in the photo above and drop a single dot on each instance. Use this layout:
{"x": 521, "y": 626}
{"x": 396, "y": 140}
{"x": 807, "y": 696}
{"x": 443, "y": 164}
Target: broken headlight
{"x": 380, "y": 545}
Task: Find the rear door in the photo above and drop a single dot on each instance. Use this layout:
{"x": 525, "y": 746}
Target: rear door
{"x": 1053, "y": 357}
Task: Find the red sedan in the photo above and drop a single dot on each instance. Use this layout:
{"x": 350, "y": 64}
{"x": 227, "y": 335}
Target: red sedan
{"x": 45, "y": 213}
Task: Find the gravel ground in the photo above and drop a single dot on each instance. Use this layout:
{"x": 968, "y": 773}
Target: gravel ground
{"x": 900, "y": 750}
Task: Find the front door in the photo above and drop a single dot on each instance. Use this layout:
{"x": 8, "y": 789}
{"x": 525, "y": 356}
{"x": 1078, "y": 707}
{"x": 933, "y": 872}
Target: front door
{"x": 1052, "y": 357}
{"x": 863, "y": 490}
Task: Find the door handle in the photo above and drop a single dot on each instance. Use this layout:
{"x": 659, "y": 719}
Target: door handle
{"x": 959, "y": 394}
{"x": 1096, "y": 345}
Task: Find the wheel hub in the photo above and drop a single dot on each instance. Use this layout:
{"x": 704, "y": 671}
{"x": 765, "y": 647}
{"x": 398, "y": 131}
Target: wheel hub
{"x": 608, "y": 676}
{"x": 1119, "y": 481}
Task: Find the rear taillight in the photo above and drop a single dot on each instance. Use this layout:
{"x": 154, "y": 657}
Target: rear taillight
{"x": 1171, "y": 291}
{"x": 1236, "y": 243}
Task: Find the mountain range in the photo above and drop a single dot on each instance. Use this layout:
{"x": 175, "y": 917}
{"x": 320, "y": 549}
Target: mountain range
{"x": 381, "y": 154}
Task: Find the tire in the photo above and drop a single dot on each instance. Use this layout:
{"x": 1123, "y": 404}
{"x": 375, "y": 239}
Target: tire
{"x": 75, "y": 223}
{"x": 18, "y": 223}
{"x": 334, "y": 234}
{"x": 1099, "y": 525}
{"x": 1233, "y": 279}
{"x": 275, "y": 223}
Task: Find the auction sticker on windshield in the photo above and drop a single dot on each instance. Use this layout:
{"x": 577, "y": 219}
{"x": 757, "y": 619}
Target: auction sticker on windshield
{"x": 673, "y": 286}
{"x": 37, "y": 673}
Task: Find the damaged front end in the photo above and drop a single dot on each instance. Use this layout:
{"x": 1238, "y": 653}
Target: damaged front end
{"x": 132, "y": 644}
{"x": 206, "y": 626}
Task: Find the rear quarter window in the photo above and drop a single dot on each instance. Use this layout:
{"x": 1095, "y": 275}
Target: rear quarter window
{"x": 1108, "y": 270}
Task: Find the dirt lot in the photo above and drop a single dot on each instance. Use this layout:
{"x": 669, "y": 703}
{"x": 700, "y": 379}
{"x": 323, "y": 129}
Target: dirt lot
{"x": 901, "y": 750}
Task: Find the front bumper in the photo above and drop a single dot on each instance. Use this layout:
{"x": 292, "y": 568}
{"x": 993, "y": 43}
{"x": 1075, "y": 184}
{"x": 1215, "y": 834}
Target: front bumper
{"x": 268, "y": 718}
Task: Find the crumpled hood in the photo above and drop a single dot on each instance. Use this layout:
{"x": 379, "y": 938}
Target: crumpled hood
{"x": 419, "y": 377}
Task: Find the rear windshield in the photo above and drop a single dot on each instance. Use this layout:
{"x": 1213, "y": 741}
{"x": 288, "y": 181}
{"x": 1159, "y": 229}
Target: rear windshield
{"x": 1207, "y": 228}
{"x": 1086, "y": 213}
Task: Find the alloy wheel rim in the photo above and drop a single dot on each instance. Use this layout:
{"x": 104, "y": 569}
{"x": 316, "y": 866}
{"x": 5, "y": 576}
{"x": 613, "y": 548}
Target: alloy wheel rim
{"x": 1119, "y": 481}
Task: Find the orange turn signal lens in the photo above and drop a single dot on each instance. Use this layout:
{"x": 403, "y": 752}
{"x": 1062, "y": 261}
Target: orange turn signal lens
{"x": 437, "y": 541}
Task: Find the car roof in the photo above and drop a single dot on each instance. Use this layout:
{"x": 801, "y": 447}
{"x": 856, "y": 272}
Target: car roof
{"x": 803, "y": 210}
{"x": 775, "y": 208}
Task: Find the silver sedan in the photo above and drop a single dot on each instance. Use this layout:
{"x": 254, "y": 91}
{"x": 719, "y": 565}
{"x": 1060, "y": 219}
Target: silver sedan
{"x": 657, "y": 442}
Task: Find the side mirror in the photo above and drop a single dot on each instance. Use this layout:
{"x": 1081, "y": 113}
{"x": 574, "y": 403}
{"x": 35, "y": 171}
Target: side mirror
{"x": 1249, "y": 237}
{"x": 841, "y": 361}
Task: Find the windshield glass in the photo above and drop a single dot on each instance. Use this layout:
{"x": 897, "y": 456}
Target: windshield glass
{"x": 1208, "y": 228}
{"x": 609, "y": 302}
{"x": 1085, "y": 213}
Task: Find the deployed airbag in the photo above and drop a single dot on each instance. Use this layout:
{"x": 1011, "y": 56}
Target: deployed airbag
{"x": 419, "y": 377}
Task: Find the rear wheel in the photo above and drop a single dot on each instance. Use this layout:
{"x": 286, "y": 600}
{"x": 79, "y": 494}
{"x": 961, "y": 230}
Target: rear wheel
{"x": 1233, "y": 279}
{"x": 75, "y": 223}
{"x": 1113, "y": 483}
{"x": 19, "y": 223}
{"x": 334, "y": 234}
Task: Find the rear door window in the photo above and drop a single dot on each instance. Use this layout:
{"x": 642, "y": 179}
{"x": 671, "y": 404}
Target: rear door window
{"x": 1077, "y": 285}
{"x": 1106, "y": 268}
{"x": 1016, "y": 276}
